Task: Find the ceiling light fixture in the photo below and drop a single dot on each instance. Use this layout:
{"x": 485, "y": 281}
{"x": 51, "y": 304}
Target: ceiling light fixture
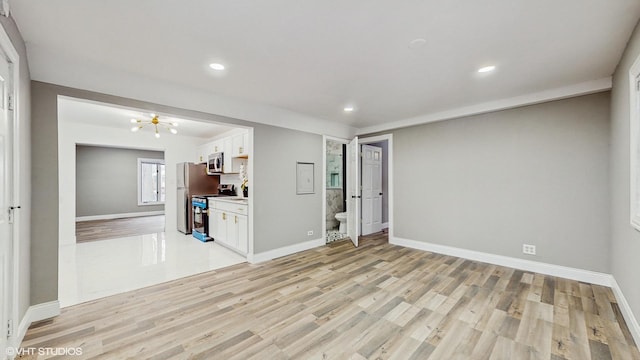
{"x": 349, "y": 109}
{"x": 157, "y": 124}
{"x": 487, "y": 69}
{"x": 216, "y": 66}
{"x": 417, "y": 43}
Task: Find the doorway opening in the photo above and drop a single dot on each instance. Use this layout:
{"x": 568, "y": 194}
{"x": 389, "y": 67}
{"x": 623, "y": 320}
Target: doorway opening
{"x": 362, "y": 186}
{"x": 114, "y": 173}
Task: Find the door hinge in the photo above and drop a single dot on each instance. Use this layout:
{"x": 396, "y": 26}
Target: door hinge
{"x": 9, "y": 328}
{"x": 10, "y": 102}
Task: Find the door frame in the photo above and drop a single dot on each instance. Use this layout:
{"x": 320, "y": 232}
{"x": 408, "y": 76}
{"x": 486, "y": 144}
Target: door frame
{"x": 324, "y": 180}
{"x": 13, "y": 117}
{"x": 389, "y": 139}
{"x": 365, "y": 140}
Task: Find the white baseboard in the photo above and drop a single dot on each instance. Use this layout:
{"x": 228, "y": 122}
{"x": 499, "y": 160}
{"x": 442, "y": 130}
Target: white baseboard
{"x": 631, "y": 320}
{"x": 284, "y": 251}
{"x": 119, "y": 216}
{"x": 589, "y": 276}
{"x": 385, "y": 225}
{"x": 35, "y": 313}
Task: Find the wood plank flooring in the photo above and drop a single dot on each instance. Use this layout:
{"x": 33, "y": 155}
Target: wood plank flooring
{"x": 117, "y": 228}
{"x": 379, "y": 301}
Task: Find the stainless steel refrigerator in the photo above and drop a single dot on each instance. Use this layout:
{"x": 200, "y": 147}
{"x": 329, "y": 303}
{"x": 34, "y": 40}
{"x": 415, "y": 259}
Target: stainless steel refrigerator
{"x": 192, "y": 180}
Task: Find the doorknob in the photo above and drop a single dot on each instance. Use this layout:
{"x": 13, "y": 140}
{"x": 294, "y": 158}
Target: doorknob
{"x": 380, "y": 194}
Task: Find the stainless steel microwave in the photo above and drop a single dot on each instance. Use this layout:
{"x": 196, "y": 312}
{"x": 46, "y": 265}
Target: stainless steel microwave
{"x": 215, "y": 163}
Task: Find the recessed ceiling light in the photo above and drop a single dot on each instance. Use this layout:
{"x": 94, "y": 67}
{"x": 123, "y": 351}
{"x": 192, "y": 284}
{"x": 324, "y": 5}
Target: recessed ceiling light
{"x": 487, "y": 69}
{"x": 216, "y": 66}
{"x": 348, "y": 108}
{"x": 417, "y": 43}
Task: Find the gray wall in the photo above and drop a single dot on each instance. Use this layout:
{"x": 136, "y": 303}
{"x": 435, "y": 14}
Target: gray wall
{"x": 536, "y": 175}
{"x": 625, "y": 241}
{"x": 385, "y": 179}
{"x": 23, "y": 168}
{"x": 281, "y": 217}
{"x": 107, "y": 180}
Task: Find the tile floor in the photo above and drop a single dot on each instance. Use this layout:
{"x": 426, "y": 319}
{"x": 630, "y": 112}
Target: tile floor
{"x": 88, "y": 271}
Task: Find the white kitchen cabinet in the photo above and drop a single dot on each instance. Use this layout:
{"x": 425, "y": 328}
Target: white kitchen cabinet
{"x": 243, "y": 233}
{"x": 229, "y": 225}
{"x": 217, "y": 146}
{"x": 239, "y": 148}
{"x": 228, "y": 167}
{"x": 201, "y": 154}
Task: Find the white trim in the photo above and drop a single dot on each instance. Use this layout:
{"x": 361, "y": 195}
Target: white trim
{"x": 34, "y": 313}
{"x": 119, "y": 216}
{"x": 147, "y": 161}
{"x": 589, "y": 276}
{"x": 15, "y": 119}
{"x": 285, "y": 250}
{"x": 584, "y": 88}
{"x": 634, "y": 134}
{"x": 631, "y": 320}
{"x": 385, "y": 225}
{"x": 390, "y": 200}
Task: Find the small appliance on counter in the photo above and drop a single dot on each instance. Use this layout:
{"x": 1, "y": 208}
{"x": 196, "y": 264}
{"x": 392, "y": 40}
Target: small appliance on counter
{"x": 226, "y": 190}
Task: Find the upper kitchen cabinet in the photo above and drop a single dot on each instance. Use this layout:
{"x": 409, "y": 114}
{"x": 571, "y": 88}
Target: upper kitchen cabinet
{"x": 202, "y": 153}
{"x": 240, "y": 144}
{"x": 235, "y": 148}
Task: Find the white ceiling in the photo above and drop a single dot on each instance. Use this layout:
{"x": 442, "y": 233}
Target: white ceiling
{"x": 314, "y": 57}
{"x": 92, "y": 113}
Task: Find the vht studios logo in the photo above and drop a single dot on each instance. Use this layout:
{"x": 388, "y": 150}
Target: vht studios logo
{"x": 70, "y": 351}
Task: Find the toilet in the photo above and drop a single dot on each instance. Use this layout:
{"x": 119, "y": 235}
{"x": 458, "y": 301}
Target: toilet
{"x": 342, "y": 217}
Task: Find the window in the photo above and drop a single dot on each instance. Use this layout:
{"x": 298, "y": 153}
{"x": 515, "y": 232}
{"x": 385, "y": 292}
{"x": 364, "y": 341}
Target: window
{"x": 151, "y": 181}
{"x": 634, "y": 127}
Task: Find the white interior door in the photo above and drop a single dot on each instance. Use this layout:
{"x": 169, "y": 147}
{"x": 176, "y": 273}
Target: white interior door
{"x": 371, "y": 189}
{"x": 353, "y": 193}
{"x": 7, "y": 212}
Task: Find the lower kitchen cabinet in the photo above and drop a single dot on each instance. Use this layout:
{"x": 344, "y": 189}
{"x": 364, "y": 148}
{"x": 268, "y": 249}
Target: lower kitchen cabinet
{"x": 229, "y": 225}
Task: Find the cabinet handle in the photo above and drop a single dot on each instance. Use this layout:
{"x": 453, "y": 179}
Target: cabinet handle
{"x": 224, "y": 216}
{"x": 215, "y": 149}
{"x": 240, "y": 150}
{"x": 235, "y": 220}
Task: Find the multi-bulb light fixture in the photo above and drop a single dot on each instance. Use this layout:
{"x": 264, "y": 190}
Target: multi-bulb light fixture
{"x": 171, "y": 126}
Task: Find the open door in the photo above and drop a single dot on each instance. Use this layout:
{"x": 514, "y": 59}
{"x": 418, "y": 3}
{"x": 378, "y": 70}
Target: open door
{"x": 353, "y": 191}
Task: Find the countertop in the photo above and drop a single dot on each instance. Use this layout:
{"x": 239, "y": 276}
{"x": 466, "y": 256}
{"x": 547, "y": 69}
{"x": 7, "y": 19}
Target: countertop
{"x": 231, "y": 199}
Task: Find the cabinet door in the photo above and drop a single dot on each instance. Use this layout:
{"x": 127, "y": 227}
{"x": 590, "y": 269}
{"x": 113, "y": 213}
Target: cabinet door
{"x": 217, "y": 146}
{"x": 238, "y": 145}
{"x": 213, "y": 225}
{"x": 243, "y": 234}
{"x": 245, "y": 143}
{"x": 232, "y": 230}
{"x": 201, "y": 155}
{"x": 221, "y": 224}
{"x": 228, "y": 148}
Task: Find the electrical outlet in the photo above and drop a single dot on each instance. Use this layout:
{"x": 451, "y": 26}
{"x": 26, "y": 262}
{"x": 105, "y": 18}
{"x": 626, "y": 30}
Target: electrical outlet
{"x": 528, "y": 249}
{"x": 310, "y": 232}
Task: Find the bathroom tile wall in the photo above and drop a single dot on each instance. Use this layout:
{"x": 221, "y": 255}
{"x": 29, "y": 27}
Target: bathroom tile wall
{"x": 335, "y": 199}
{"x": 334, "y": 206}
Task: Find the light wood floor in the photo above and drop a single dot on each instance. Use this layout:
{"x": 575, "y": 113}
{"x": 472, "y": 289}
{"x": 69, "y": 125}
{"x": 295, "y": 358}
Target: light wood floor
{"x": 336, "y": 302}
{"x": 117, "y": 228}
